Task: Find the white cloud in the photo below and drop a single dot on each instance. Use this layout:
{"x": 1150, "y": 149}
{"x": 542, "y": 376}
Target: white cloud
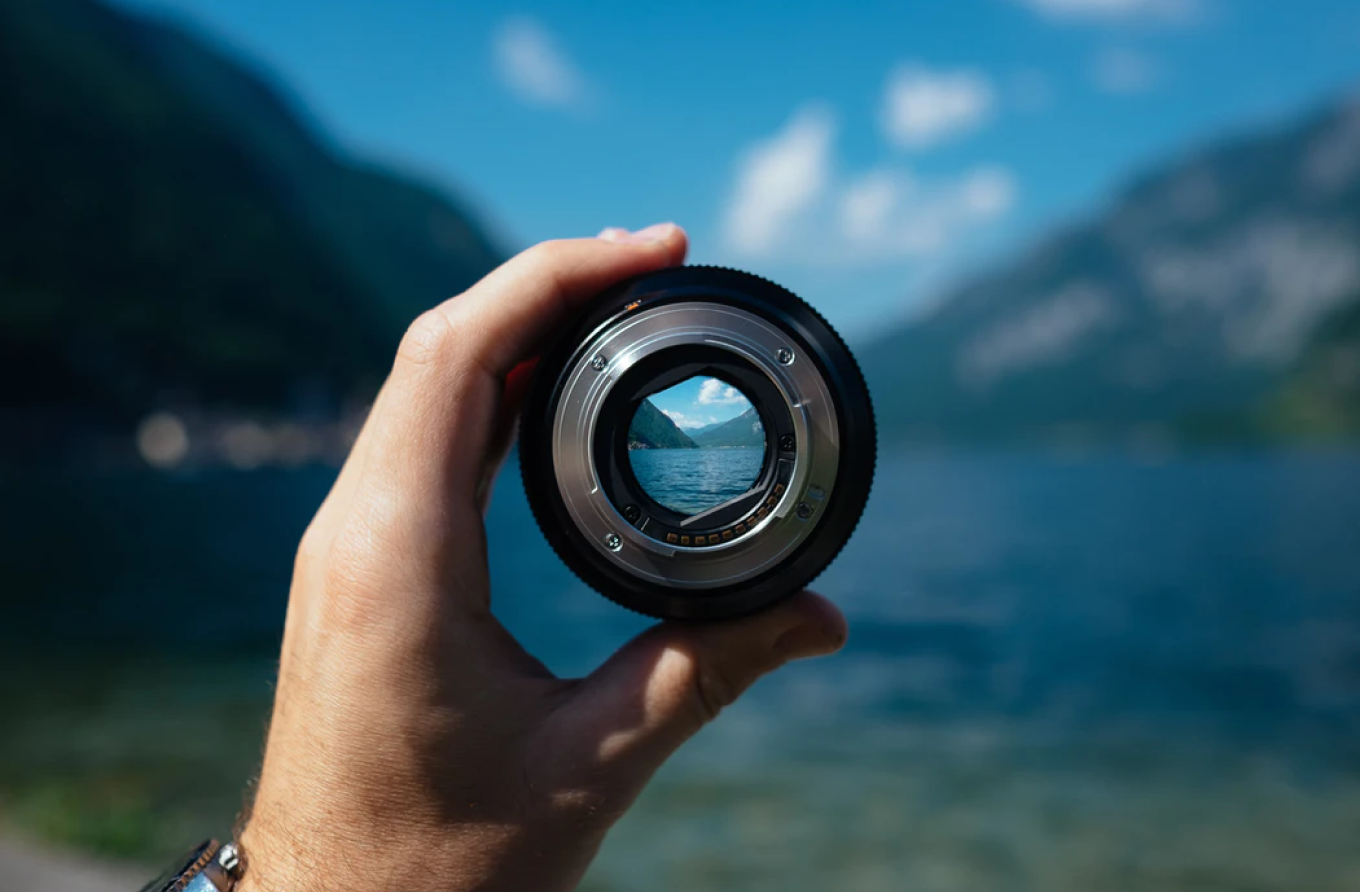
{"x": 779, "y": 177}
{"x": 689, "y": 422}
{"x": 868, "y": 202}
{"x": 884, "y": 214}
{"x": 923, "y": 108}
{"x": 535, "y": 68}
{"x": 791, "y": 203}
{"x": 715, "y": 393}
{"x": 1122, "y": 70}
{"x": 1107, "y": 10}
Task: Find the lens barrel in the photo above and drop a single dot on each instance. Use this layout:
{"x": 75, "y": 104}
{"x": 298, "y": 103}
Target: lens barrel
{"x": 809, "y": 405}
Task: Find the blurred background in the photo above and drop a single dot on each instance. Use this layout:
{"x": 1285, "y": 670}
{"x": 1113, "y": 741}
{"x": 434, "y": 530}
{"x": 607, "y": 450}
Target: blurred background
{"x": 1100, "y": 260}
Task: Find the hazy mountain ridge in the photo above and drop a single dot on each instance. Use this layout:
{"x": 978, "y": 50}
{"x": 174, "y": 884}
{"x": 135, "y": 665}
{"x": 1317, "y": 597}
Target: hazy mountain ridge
{"x": 1182, "y": 308}
{"x": 743, "y": 432}
{"x": 173, "y": 232}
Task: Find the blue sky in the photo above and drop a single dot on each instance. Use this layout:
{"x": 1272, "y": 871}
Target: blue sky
{"x": 699, "y": 402}
{"x": 864, "y": 154}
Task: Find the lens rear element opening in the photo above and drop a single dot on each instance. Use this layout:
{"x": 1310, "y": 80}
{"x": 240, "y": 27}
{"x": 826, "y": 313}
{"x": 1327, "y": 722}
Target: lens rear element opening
{"x": 696, "y": 445}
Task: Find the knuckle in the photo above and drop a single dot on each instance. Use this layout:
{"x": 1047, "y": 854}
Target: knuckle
{"x": 552, "y": 262}
{"x": 351, "y": 542}
{"x": 348, "y": 590}
{"x": 311, "y": 548}
{"x": 548, "y": 255}
{"x": 428, "y": 339}
{"x": 713, "y": 689}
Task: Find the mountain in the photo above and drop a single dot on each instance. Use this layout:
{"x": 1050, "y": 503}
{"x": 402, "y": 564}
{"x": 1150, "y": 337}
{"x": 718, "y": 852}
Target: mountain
{"x": 1182, "y": 311}
{"x": 651, "y": 429}
{"x": 700, "y": 431}
{"x": 743, "y": 432}
{"x": 174, "y": 229}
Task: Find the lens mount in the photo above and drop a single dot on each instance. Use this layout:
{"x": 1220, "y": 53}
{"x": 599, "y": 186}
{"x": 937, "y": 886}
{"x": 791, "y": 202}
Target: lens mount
{"x": 749, "y": 551}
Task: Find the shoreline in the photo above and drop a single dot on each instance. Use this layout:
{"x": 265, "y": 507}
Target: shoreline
{"x": 29, "y": 866}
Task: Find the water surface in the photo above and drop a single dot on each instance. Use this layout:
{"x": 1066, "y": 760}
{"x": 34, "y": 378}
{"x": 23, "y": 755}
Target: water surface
{"x": 694, "y": 480}
{"x": 1062, "y": 675}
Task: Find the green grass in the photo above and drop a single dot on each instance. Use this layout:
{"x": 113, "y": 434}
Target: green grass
{"x": 139, "y": 759}
{"x": 129, "y": 758}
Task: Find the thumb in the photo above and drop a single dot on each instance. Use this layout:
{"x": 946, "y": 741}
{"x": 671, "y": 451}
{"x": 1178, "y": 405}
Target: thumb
{"x": 662, "y": 687}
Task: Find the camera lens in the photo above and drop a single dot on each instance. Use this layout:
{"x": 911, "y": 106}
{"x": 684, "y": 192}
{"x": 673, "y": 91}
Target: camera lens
{"x": 698, "y": 444}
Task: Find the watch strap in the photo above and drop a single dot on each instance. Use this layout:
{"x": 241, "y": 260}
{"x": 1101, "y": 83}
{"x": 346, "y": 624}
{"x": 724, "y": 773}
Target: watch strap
{"x": 209, "y": 867}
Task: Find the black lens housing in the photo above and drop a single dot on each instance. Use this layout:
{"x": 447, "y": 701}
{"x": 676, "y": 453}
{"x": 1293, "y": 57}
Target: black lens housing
{"x": 834, "y": 513}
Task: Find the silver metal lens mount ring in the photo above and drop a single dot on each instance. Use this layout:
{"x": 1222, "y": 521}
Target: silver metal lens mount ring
{"x": 780, "y": 528}
{"x": 581, "y": 428}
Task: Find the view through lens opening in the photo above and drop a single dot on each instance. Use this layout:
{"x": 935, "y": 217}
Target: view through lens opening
{"x": 696, "y": 445}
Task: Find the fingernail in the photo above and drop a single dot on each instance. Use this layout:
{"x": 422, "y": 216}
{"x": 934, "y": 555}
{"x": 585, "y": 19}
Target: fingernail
{"x": 657, "y": 232}
{"x": 809, "y": 640}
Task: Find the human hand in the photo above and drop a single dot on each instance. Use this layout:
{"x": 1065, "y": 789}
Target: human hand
{"x": 414, "y": 744}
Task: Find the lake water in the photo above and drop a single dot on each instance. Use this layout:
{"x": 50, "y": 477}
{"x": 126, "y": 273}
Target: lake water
{"x": 694, "y": 480}
{"x": 1063, "y": 675}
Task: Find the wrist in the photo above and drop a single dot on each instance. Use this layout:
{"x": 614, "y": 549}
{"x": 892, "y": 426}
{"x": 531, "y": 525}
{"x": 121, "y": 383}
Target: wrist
{"x": 273, "y": 864}
{"x": 298, "y": 856}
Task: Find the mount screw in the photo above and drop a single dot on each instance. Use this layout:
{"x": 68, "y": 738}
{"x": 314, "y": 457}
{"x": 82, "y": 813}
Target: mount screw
{"x": 804, "y": 510}
{"x": 598, "y": 363}
{"x": 613, "y": 542}
{"x": 784, "y": 356}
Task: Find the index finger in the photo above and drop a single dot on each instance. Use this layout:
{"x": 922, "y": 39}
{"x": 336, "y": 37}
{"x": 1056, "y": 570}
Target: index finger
{"x": 502, "y": 319}
{"x": 434, "y": 421}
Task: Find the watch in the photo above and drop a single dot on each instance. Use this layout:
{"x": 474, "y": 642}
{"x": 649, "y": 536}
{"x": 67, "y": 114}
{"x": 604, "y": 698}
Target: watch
{"x": 209, "y": 867}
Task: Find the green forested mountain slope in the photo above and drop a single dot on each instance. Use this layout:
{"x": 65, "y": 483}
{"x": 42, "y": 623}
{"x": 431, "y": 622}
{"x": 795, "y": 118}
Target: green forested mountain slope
{"x": 651, "y": 429}
{"x": 1321, "y": 395}
{"x": 171, "y": 230}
